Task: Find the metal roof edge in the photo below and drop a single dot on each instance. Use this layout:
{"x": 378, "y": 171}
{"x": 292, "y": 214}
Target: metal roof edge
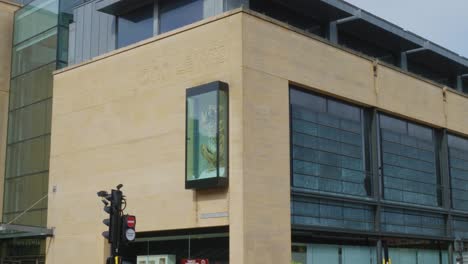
{"x": 397, "y": 30}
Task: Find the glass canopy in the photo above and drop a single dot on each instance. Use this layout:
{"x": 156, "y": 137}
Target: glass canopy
{"x": 15, "y": 231}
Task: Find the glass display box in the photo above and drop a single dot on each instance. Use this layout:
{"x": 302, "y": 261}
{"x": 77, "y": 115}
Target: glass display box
{"x": 206, "y": 148}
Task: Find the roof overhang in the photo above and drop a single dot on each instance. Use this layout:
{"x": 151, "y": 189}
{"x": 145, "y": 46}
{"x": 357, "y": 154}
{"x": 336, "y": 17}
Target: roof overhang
{"x": 118, "y": 7}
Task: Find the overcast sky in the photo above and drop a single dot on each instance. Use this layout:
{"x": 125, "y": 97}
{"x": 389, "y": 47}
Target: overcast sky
{"x": 444, "y": 22}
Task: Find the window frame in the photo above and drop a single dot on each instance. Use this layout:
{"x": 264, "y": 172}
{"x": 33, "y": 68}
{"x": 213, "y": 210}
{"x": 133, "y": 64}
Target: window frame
{"x": 439, "y": 177}
{"x": 368, "y": 181}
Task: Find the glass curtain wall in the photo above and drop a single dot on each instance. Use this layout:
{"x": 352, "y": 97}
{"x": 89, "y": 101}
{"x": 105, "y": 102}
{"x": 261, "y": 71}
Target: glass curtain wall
{"x": 408, "y": 160}
{"x": 334, "y": 146}
{"x": 38, "y": 50}
{"x": 458, "y": 166}
{"x": 327, "y": 145}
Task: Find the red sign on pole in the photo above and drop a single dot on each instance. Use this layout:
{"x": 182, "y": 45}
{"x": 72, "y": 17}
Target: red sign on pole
{"x": 195, "y": 261}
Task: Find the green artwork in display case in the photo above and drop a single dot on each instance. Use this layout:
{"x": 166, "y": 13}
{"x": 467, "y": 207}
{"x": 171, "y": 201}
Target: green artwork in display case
{"x": 207, "y": 136}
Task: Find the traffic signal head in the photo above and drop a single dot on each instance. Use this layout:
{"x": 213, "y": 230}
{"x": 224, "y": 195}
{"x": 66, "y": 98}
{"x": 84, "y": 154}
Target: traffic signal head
{"x": 112, "y": 206}
{"x": 103, "y": 194}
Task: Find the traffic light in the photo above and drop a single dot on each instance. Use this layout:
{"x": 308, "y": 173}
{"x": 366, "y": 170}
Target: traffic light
{"x": 113, "y": 207}
{"x": 121, "y": 228}
{"x": 128, "y": 228}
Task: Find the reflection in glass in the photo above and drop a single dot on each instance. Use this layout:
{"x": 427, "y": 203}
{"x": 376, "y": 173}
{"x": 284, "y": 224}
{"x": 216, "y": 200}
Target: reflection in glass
{"x": 320, "y": 212}
{"x": 24, "y": 192}
{"x": 327, "y": 145}
{"x": 417, "y": 255}
{"x": 333, "y": 254}
{"x": 408, "y": 162}
{"x": 30, "y": 121}
{"x": 176, "y": 14}
{"x": 458, "y": 165}
{"x": 202, "y": 122}
{"x": 35, "y": 52}
{"x": 412, "y": 222}
{"x": 31, "y": 87}
{"x": 135, "y": 26}
{"x": 28, "y": 157}
{"x": 35, "y": 18}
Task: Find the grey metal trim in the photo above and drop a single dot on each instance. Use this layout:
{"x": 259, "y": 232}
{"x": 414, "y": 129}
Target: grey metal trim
{"x": 333, "y": 26}
{"x": 156, "y": 18}
{"x": 304, "y": 230}
{"x": 71, "y": 43}
{"x": 444, "y": 169}
{"x": 333, "y": 32}
{"x": 231, "y": 4}
{"x": 414, "y": 50}
{"x": 100, "y": 5}
{"x": 212, "y": 8}
{"x": 379, "y": 250}
{"x": 450, "y": 254}
{"x": 404, "y": 56}
{"x": 357, "y": 15}
{"x": 460, "y": 81}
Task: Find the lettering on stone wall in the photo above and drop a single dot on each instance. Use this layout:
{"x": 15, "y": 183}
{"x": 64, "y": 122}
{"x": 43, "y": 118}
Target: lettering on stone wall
{"x": 162, "y": 69}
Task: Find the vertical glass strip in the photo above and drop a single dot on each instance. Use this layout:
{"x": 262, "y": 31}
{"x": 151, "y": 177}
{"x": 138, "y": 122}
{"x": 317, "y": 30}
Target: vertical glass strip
{"x": 34, "y": 19}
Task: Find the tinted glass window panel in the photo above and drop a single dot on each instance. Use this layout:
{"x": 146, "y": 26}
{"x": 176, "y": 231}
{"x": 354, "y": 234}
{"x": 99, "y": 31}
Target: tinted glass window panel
{"x": 35, "y": 52}
{"x": 325, "y": 254}
{"x": 458, "y": 164}
{"x": 201, "y": 135}
{"x": 327, "y": 145}
{"x": 176, "y": 14}
{"x": 319, "y": 212}
{"x": 460, "y": 227}
{"x": 135, "y": 26}
{"x": 410, "y": 222}
{"x": 30, "y": 121}
{"x": 359, "y": 254}
{"x": 408, "y": 161}
{"x": 22, "y": 192}
{"x": 28, "y": 157}
{"x": 31, "y": 218}
{"x": 35, "y": 18}
{"x": 31, "y": 87}
{"x": 416, "y": 255}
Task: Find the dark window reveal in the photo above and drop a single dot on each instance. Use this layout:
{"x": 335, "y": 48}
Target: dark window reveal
{"x": 176, "y": 14}
{"x": 135, "y": 26}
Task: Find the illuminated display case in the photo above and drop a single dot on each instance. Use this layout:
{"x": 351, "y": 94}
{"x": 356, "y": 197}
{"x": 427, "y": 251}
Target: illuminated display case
{"x": 207, "y": 112}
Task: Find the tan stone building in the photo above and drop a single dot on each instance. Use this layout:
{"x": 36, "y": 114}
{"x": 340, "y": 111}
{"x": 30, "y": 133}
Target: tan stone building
{"x": 238, "y": 137}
